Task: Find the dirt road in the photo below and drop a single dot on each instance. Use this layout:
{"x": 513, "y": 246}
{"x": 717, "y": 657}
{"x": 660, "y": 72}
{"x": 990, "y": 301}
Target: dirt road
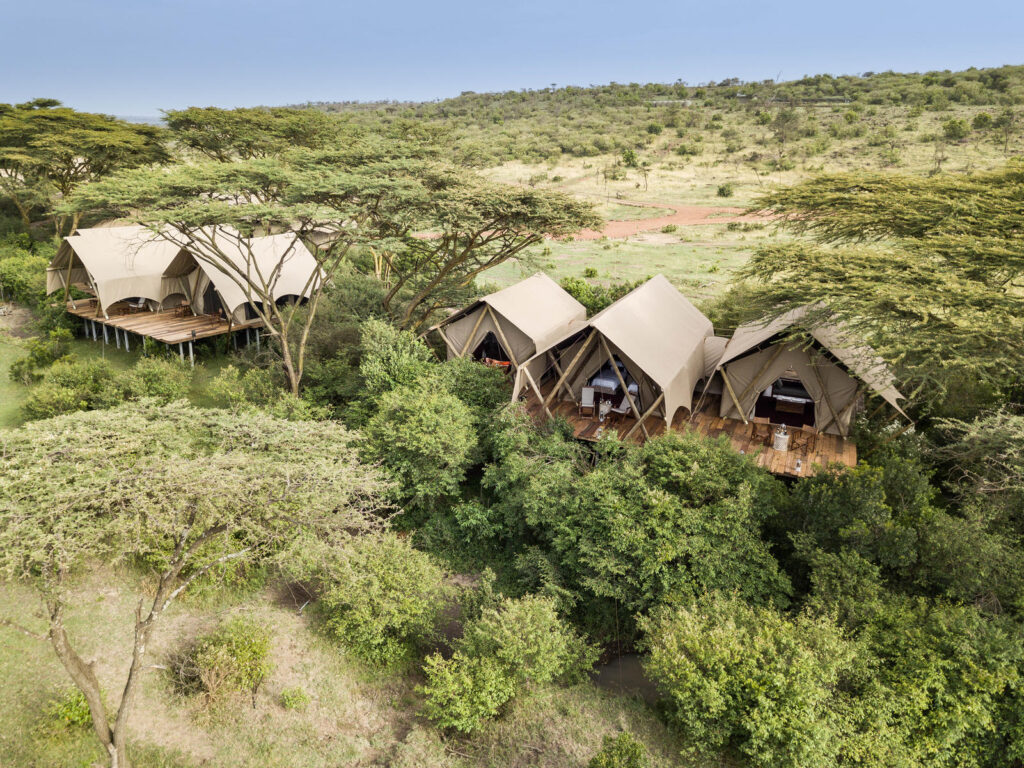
{"x": 683, "y": 216}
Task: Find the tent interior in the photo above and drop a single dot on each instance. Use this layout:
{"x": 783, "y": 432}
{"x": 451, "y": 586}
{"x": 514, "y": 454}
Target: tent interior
{"x": 490, "y": 351}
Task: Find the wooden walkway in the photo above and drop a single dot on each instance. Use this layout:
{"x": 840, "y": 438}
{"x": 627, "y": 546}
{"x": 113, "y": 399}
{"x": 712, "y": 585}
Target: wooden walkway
{"x": 166, "y": 326}
{"x": 827, "y": 449}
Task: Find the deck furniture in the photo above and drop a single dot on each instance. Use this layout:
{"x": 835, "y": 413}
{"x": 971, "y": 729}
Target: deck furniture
{"x": 587, "y": 401}
{"x": 806, "y": 438}
{"x": 762, "y": 430}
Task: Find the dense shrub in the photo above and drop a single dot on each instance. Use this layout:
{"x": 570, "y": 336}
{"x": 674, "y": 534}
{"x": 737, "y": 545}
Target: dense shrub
{"x": 164, "y": 380}
{"x": 294, "y": 699}
{"x": 725, "y": 190}
{"x": 746, "y": 679}
{"x": 383, "y": 598}
{"x": 622, "y": 751}
{"x": 42, "y": 353}
{"x": 233, "y": 659}
{"x": 955, "y": 129}
{"x": 515, "y": 644}
{"x": 390, "y": 357}
{"x": 425, "y": 438}
{"x": 23, "y": 277}
{"x": 597, "y": 297}
{"x": 70, "y": 710}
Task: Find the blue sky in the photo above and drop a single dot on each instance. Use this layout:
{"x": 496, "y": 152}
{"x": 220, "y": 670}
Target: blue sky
{"x": 134, "y": 57}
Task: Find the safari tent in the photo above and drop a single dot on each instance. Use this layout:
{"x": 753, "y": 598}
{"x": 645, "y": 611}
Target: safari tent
{"x": 768, "y": 371}
{"x": 508, "y": 327}
{"x": 645, "y": 354}
{"x": 280, "y": 265}
{"x": 115, "y": 264}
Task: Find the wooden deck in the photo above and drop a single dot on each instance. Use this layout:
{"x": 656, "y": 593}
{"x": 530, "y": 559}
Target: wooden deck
{"x": 166, "y": 326}
{"x": 828, "y": 448}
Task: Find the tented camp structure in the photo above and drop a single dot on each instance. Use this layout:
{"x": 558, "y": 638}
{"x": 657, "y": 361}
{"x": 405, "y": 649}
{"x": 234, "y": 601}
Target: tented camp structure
{"x": 817, "y": 382}
{"x": 643, "y": 356}
{"x": 155, "y": 286}
{"x": 115, "y": 264}
{"x": 510, "y": 326}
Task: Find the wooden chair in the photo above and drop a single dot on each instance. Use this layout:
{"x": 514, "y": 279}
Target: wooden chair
{"x": 762, "y": 430}
{"x": 805, "y": 439}
{"x": 587, "y": 401}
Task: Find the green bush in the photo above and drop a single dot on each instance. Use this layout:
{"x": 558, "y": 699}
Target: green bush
{"x": 725, "y": 190}
{"x": 622, "y": 751}
{"x": 164, "y": 380}
{"x": 390, "y": 357}
{"x": 383, "y": 598}
{"x": 512, "y": 645}
{"x": 234, "y": 659}
{"x": 42, "y": 353}
{"x": 982, "y": 121}
{"x": 590, "y": 272}
{"x": 955, "y": 129}
{"x": 71, "y": 386}
{"x": 739, "y": 678}
{"x": 23, "y": 277}
{"x": 462, "y": 692}
{"x": 426, "y": 439}
{"x": 294, "y": 699}
{"x": 668, "y": 229}
{"x": 70, "y": 709}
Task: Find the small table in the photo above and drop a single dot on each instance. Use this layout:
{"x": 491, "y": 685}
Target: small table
{"x": 604, "y": 409}
{"x": 781, "y": 441}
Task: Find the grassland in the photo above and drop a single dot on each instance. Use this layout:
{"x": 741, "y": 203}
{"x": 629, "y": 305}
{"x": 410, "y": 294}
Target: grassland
{"x": 357, "y": 715}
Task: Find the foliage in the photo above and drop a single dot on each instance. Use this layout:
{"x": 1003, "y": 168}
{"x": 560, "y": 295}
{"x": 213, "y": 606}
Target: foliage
{"x": 70, "y": 709}
{"x": 460, "y": 692}
{"x": 667, "y": 521}
{"x": 725, "y": 190}
{"x": 47, "y": 151}
{"x": 23, "y": 277}
{"x": 166, "y": 490}
{"x": 511, "y": 645}
{"x": 235, "y": 658}
{"x": 294, "y": 699}
{"x": 935, "y": 299}
{"x": 597, "y": 297}
{"x": 746, "y": 679}
{"x": 622, "y": 751}
{"x": 391, "y": 357}
{"x": 42, "y": 352}
{"x": 71, "y": 385}
{"x": 426, "y": 440}
{"x": 382, "y": 598}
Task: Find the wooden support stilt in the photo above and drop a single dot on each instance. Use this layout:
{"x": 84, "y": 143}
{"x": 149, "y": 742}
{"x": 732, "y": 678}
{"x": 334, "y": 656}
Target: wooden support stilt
{"x": 126, "y": 347}
{"x": 234, "y": 341}
{"x": 105, "y": 340}
{"x": 117, "y": 337}
{"x": 536, "y": 389}
{"x": 191, "y": 354}
{"x": 558, "y": 370}
{"x": 181, "y": 351}
{"x": 570, "y": 367}
{"x": 257, "y": 339}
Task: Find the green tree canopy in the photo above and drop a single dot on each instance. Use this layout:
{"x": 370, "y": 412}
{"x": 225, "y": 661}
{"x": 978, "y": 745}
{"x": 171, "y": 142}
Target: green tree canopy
{"x": 47, "y": 150}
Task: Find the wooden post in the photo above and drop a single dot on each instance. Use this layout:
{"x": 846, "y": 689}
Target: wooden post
{"x": 501, "y": 337}
{"x": 126, "y": 347}
{"x": 67, "y": 278}
{"x": 732, "y": 394}
{"x": 625, "y": 389}
{"x": 444, "y": 337}
{"x": 646, "y": 415}
{"x": 257, "y": 339}
{"x": 533, "y": 385}
{"x": 181, "y": 351}
{"x": 751, "y": 386}
{"x": 571, "y": 366}
{"x": 105, "y": 341}
{"x": 117, "y": 337}
{"x": 472, "y": 334}
{"x": 191, "y": 354}
{"x": 558, "y": 370}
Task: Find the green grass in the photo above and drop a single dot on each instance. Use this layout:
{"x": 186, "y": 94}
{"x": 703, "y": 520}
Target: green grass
{"x": 11, "y": 394}
{"x": 621, "y": 212}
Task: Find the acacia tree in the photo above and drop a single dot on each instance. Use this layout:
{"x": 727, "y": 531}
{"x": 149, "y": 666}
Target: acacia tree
{"x": 928, "y": 270}
{"x": 172, "y": 491}
{"x": 47, "y": 150}
{"x": 374, "y": 193}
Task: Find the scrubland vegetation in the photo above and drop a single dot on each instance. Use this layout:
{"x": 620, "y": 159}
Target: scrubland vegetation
{"x": 342, "y": 550}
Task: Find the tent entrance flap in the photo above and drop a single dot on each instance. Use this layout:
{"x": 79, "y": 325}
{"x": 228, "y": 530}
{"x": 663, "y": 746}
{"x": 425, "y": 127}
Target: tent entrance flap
{"x": 490, "y": 349}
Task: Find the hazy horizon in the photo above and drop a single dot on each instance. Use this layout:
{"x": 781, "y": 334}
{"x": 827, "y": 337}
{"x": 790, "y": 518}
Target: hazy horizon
{"x": 135, "y": 59}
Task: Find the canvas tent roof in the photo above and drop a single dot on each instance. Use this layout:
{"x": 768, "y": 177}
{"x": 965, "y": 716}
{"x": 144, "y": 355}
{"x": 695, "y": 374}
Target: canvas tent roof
{"x": 857, "y": 358}
{"x": 120, "y": 262}
{"x": 281, "y": 262}
{"x": 660, "y": 332}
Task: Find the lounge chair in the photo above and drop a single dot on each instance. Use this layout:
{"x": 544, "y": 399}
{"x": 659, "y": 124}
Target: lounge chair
{"x": 587, "y": 401}
{"x": 805, "y": 439}
{"x": 762, "y": 430}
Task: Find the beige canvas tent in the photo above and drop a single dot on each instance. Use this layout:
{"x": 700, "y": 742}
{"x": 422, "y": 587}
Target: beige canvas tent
{"x": 648, "y": 347}
{"x": 218, "y": 271}
{"x": 818, "y": 382}
{"x": 511, "y": 325}
{"x": 114, "y": 263}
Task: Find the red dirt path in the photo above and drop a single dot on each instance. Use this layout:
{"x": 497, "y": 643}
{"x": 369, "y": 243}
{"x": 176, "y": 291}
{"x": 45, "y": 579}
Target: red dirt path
{"x": 684, "y": 216}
